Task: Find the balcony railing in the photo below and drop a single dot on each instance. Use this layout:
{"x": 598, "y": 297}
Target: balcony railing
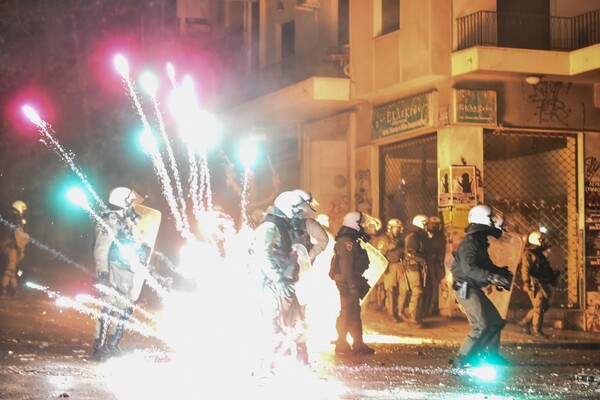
{"x": 565, "y": 34}
{"x": 317, "y": 62}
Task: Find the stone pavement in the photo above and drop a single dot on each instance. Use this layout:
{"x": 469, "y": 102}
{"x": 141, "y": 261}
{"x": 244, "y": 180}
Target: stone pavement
{"x": 452, "y": 331}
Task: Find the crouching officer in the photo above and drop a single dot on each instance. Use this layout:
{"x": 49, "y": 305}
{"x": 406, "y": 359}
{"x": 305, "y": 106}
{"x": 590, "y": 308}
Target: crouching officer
{"x": 538, "y": 279}
{"x": 348, "y": 264}
{"x": 473, "y": 270}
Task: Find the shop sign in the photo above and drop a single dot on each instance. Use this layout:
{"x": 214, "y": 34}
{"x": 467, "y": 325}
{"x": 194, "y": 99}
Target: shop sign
{"x": 475, "y": 106}
{"x": 403, "y": 115}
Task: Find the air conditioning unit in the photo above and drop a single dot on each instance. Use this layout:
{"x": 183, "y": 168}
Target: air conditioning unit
{"x": 308, "y": 5}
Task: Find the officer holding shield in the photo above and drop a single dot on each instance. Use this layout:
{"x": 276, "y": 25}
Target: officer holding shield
{"x": 117, "y": 255}
{"x": 473, "y": 270}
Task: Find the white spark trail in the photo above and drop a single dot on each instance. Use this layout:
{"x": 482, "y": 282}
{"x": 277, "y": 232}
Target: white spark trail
{"x": 46, "y": 248}
{"x": 48, "y": 139}
{"x": 157, "y": 161}
{"x": 206, "y": 190}
{"x": 76, "y": 305}
{"x": 244, "y": 202}
{"x": 195, "y": 194}
{"x": 173, "y": 164}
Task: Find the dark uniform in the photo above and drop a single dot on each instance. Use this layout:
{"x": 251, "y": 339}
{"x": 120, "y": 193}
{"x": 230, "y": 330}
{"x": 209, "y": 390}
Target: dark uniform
{"x": 392, "y": 247}
{"x": 415, "y": 269}
{"x": 348, "y": 264}
{"x": 473, "y": 270}
{"x": 436, "y": 252}
{"x": 538, "y": 279}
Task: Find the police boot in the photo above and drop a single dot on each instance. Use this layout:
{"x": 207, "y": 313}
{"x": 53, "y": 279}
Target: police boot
{"x": 114, "y": 339}
{"x": 100, "y": 351}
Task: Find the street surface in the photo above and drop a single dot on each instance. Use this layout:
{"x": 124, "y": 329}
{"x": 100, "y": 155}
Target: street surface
{"x": 44, "y": 354}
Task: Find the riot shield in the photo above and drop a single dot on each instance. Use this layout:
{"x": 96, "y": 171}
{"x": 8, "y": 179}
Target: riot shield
{"x": 377, "y": 266}
{"x": 145, "y": 231}
{"x": 505, "y": 251}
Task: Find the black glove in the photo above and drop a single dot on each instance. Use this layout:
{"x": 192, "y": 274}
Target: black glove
{"x": 499, "y": 280}
{"x": 505, "y": 272}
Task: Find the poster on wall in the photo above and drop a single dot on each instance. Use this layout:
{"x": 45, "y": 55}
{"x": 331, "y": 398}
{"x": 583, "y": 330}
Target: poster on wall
{"x": 592, "y": 219}
{"x": 444, "y": 187}
{"x": 463, "y": 185}
{"x": 457, "y": 186}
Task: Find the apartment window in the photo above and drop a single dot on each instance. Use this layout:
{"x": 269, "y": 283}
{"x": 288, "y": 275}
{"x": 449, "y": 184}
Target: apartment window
{"x": 288, "y": 39}
{"x": 390, "y": 16}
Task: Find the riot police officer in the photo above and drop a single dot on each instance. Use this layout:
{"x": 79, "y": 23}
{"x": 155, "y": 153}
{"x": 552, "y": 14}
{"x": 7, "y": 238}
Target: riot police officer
{"x": 276, "y": 262}
{"x": 117, "y": 256}
{"x": 473, "y": 270}
{"x": 415, "y": 270}
{"x": 391, "y": 246}
{"x": 306, "y": 230}
{"x": 538, "y": 279}
{"x": 12, "y": 245}
{"x": 349, "y": 262}
{"x": 436, "y": 252}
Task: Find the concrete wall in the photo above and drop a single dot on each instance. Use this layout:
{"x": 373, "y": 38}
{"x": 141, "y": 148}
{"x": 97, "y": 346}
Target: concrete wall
{"x": 326, "y": 159}
{"x": 418, "y": 49}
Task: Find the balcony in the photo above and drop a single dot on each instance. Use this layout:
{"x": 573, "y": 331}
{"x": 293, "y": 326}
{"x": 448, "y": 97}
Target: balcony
{"x": 317, "y": 62}
{"x": 490, "y": 42}
{"x": 489, "y": 28}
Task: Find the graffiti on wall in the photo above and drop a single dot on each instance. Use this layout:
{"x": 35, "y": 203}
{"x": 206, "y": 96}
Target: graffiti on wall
{"x": 363, "y": 196}
{"x": 549, "y": 100}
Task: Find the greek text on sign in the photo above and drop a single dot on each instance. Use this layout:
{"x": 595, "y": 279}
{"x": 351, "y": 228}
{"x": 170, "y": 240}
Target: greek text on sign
{"x": 403, "y": 115}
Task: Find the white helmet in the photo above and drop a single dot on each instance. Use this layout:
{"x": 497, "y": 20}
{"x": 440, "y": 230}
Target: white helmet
{"x": 308, "y": 198}
{"x": 289, "y": 203}
{"x": 481, "y": 214}
{"x": 420, "y": 221}
{"x": 394, "y": 222}
{"x": 353, "y": 220}
{"x": 19, "y": 206}
{"x": 123, "y": 197}
{"x": 536, "y": 238}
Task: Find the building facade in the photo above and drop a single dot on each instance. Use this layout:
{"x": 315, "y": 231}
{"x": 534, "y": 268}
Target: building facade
{"x": 405, "y": 107}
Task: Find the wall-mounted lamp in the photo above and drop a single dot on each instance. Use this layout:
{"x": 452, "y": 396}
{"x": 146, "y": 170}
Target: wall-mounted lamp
{"x": 280, "y": 6}
{"x": 533, "y": 79}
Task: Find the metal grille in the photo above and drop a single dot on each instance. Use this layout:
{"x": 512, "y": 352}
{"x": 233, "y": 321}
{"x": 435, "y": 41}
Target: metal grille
{"x": 409, "y": 179}
{"x": 532, "y": 179}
